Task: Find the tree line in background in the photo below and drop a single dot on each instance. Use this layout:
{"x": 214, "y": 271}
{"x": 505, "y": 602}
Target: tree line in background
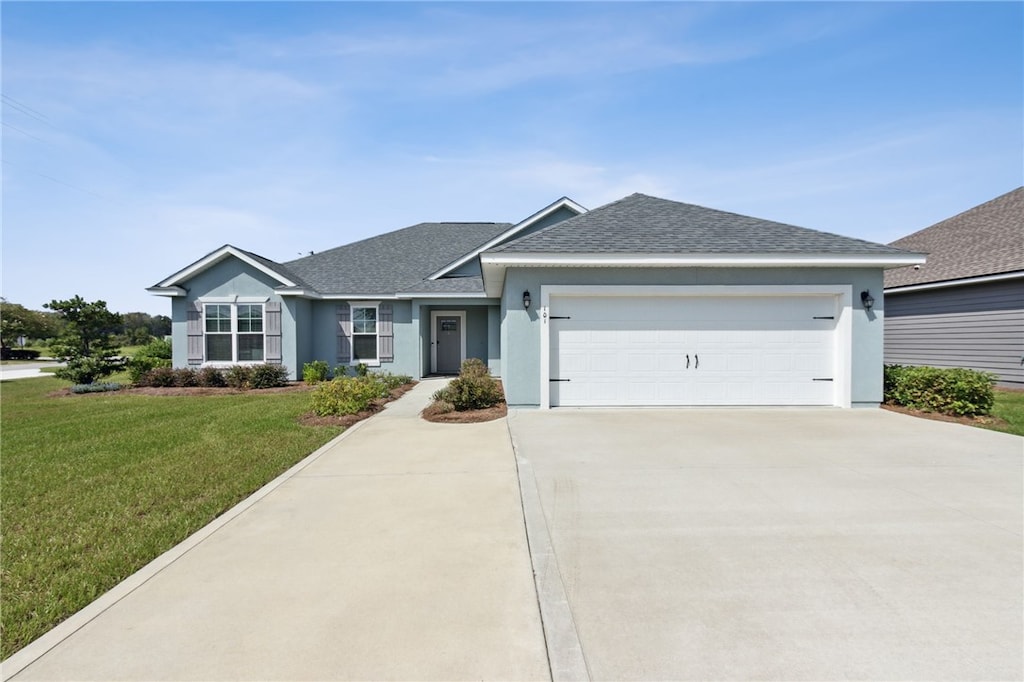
{"x": 42, "y": 328}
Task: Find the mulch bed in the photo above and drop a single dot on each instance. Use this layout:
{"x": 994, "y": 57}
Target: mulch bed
{"x": 466, "y": 417}
{"x": 936, "y": 416}
{"x": 307, "y": 419}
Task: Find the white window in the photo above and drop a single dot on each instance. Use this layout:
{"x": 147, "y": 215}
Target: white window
{"x": 234, "y": 332}
{"x": 364, "y": 333}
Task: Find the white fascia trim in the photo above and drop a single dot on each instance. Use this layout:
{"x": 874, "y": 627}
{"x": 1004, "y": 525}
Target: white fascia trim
{"x": 298, "y": 292}
{"x": 417, "y": 294}
{"x": 754, "y": 260}
{"x": 357, "y": 297}
{"x": 564, "y": 202}
{"x": 493, "y": 265}
{"x": 167, "y": 291}
{"x": 955, "y": 282}
{"x": 233, "y": 299}
{"x": 214, "y": 258}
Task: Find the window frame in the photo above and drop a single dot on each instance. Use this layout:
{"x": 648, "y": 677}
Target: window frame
{"x": 235, "y": 333}
{"x": 375, "y": 307}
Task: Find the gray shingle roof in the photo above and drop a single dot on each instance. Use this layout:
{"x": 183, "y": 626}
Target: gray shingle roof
{"x": 276, "y": 267}
{"x": 985, "y": 240}
{"x": 447, "y": 285}
{"x": 644, "y": 224}
{"x": 393, "y": 262}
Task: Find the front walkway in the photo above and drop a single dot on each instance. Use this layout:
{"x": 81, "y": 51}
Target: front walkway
{"x": 395, "y": 552}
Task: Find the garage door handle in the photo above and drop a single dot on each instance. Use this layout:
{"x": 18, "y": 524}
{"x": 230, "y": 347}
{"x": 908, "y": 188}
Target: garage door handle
{"x": 559, "y": 380}
{"x": 687, "y": 361}
{"x": 696, "y": 364}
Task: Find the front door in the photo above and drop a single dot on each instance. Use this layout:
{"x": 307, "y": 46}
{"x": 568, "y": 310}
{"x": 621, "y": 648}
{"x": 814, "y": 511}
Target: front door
{"x": 448, "y": 343}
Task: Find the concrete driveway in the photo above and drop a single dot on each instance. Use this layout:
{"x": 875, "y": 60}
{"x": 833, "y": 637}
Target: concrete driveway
{"x": 395, "y": 552}
{"x": 773, "y": 544}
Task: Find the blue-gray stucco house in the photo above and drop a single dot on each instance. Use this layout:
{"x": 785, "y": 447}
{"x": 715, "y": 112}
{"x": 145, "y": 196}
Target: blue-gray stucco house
{"x": 643, "y": 301}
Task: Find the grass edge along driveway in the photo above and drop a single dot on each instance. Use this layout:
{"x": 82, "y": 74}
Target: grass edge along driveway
{"x": 96, "y": 486}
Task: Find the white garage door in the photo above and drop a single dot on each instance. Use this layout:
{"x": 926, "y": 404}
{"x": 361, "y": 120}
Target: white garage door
{"x": 688, "y": 350}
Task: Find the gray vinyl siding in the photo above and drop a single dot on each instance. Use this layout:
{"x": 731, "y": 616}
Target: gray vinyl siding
{"x": 978, "y": 326}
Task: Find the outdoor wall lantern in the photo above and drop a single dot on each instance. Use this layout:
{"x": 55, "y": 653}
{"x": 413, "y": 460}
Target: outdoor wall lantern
{"x": 865, "y": 298}
{"x": 526, "y": 300}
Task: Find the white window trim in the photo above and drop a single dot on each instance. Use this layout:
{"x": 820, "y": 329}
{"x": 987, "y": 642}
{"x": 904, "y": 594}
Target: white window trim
{"x": 843, "y": 293}
{"x": 233, "y": 302}
{"x": 434, "y": 314}
{"x": 352, "y": 321}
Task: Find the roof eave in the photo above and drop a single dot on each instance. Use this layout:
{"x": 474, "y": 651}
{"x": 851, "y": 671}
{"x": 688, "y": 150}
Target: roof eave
{"x": 493, "y": 265}
{"x": 173, "y": 291}
{"x": 963, "y": 281}
{"x": 564, "y": 202}
{"x": 214, "y": 257}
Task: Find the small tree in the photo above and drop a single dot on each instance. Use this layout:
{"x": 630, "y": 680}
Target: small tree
{"x": 85, "y": 344}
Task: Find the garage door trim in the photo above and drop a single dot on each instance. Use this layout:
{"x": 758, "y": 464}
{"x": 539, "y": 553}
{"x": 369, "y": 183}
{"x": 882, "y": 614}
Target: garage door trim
{"x": 843, "y": 330}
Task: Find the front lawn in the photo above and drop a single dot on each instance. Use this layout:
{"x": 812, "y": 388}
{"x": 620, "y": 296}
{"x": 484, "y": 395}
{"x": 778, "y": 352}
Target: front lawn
{"x": 1009, "y": 407}
{"x": 95, "y": 486}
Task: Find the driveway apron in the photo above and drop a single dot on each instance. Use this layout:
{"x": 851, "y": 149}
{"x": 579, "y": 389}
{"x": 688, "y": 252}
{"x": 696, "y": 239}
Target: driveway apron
{"x": 795, "y": 544}
{"x": 396, "y": 552}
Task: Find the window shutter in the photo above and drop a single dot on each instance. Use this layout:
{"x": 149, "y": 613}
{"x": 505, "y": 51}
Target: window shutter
{"x": 385, "y": 332}
{"x": 272, "y": 335}
{"x": 344, "y": 333}
{"x": 195, "y": 333}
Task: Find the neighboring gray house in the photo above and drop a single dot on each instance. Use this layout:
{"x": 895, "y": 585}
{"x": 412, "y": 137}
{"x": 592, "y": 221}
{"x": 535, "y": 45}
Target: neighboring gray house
{"x": 643, "y": 301}
{"x": 965, "y": 307}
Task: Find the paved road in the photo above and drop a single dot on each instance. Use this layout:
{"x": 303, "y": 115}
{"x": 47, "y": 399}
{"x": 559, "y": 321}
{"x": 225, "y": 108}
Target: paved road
{"x": 774, "y": 544}
{"x": 26, "y": 370}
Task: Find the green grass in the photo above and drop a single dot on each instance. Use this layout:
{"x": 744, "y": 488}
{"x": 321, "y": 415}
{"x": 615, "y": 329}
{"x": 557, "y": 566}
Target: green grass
{"x": 1009, "y": 406}
{"x": 96, "y": 486}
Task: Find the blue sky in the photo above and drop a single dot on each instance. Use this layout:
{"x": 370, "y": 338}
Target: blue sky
{"x": 137, "y": 137}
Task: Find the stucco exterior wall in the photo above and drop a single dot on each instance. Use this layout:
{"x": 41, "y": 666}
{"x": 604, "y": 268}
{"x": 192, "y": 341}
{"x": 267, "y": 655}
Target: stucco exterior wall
{"x": 228, "y": 278}
{"x": 521, "y": 330}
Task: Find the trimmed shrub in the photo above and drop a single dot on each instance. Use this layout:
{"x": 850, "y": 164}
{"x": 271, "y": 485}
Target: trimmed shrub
{"x": 211, "y": 377}
{"x": 138, "y": 366}
{"x": 18, "y": 354}
{"x": 268, "y": 376}
{"x": 391, "y": 381}
{"x": 96, "y": 388}
{"x": 315, "y": 372}
{"x": 346, "y": 395}
{"x": 473, "y": 389}
{"x": 157, "y": 353}
{"x": 158, "y": 377}
{"x": 185, "y": 377}
{"x": 238, "y": 376}
{"x": 954, "y": 391}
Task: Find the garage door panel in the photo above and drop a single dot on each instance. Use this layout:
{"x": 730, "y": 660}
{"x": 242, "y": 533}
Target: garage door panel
{"x": 692, "y": 351}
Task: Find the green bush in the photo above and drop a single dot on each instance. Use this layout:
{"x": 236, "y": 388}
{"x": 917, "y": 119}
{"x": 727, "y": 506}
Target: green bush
{"x": 315, "y": 372}
{"x": 185, "y": 377}
{"x": 473, "y": 389}
{"x": 268, "y": 376}
{"x": 211, "y": 377}
{"x": 391, "y": 381}
{"x": 157, "y": 353}
{"x": 158, "y": 377}
{"x": 346, "y": 395}
{"x": 238, "y": 376}
{"x": 955, "y": 391}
